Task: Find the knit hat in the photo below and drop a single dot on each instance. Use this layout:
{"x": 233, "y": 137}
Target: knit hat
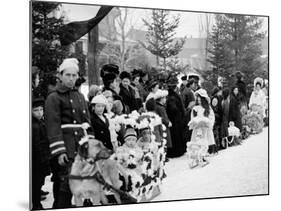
{"x": 109, "y": 68}
{"x": 130, "y": 132}
{"x": 202, "y": 93}
{"x": 125, "y": 74}
{"x": 99, "y": 99}
{"x": 69, "y": 63}
{"x": 36, "y": 102}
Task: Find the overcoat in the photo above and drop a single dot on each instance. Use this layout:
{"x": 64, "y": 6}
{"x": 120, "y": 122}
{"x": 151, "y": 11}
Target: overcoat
{"x": 234, "y": 111}
{"x": 175, "y": 112}
{"x": 65, "y": 106}
{"x": 128, "y": 96}
{"x": 101, "y": 130}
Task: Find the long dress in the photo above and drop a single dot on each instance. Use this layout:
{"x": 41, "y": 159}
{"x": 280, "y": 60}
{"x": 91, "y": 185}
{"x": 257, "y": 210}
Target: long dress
{"x": 202, "y": 125}
{"x": 258, "y": 99}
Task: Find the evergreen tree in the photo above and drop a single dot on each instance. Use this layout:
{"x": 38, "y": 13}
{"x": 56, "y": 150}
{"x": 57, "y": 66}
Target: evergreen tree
{"x": 160, "y": 35}
{"x": 47, "y": 53}
{"x": 236, "y": 46}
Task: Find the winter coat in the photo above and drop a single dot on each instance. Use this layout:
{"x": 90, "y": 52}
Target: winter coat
{"x": 161, "y": 111}
{"x": 234, "y": 111}
{"x": 137, "y": 96}
{"x": 65, "y": 106}
{"x": 187, "y": 96}
{"x": 225, "y": 117}
{"x": 175, "y": 112}
{"x": 242, "y": 90}
{"x": 101, "y": 130}
{"x": 40, "y": 148}
{"x": 216, "y": 104}
{"x": 128, "y": 96}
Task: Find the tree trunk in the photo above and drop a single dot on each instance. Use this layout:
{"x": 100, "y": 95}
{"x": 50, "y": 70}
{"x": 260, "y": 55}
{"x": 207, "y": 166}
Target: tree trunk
{"x": 93, "y": 70}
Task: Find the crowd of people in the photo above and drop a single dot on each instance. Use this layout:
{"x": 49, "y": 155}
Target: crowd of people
{"x": 192, "y": 118}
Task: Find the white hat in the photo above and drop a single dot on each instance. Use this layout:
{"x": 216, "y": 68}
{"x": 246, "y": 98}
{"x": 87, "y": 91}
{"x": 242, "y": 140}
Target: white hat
{"x": 101, "y": 99}
{"x": 67, "y": 63}
{"x": 258, "y": 80}
{"x": 160, "y": 93}
{"x": 203, "y": 93}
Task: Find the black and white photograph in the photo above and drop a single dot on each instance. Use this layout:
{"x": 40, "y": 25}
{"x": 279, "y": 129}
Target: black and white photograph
{"x": 134, "y": 105}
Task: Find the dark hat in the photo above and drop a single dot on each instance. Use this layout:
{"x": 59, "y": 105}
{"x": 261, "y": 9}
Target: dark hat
{"x": 184, "y": 78}
{"x": 109, "y": 77}
{"x": 36, "y": 102}
{"x": 136, "y": 73}
{"x": 195, "y": 77}
{"x": 150, "y": 104}
{"x": 109, "y": 68}
{"x": 238, "y": 75}
{"x": 152, "y": 83}
{"x": 215, "y": 91}
{"x": 173, "y": 81}
{"x": 125, "y": 74}
{"x": 80, "y": 81}
{"x": 142, "y": 73}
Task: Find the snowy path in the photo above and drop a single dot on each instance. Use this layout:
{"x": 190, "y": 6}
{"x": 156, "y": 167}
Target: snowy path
{"x": 240, "y": 170}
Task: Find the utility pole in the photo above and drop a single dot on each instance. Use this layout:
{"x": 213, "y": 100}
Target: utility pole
{"x": 93, "y": 70}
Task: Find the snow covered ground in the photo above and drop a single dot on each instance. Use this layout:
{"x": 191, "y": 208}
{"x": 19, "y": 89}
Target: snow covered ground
{"x": 236, "y": 171}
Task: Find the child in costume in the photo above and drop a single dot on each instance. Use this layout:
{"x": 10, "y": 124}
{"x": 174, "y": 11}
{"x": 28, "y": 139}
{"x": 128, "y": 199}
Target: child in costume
{"x": 202, "y": 122}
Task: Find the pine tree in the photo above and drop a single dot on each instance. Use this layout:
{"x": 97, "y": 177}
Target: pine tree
{"x": 236, "y": 46}
{"x": 47, "y": 53}
{"x": 219, "y": 55}
{"x": 161, "y": 35}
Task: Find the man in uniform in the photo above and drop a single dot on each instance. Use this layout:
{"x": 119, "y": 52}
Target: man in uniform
{"x": 66, "y": 111}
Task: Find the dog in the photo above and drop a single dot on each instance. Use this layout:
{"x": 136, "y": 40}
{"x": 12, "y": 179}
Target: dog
{"x": 93, "y": 157}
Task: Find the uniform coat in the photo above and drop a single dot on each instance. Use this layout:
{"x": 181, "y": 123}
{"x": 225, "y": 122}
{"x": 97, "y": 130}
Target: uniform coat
{"x": 65, "y": 106}
{"x": 175, "y": 112}
{"x": 161, "y": 111}
{"x": 101, "y": 130}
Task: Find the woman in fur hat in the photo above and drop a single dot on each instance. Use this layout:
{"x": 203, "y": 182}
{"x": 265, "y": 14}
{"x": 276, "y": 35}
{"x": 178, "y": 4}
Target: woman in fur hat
{"x": 175, "y": 112}
{"x": 202, "y": 120}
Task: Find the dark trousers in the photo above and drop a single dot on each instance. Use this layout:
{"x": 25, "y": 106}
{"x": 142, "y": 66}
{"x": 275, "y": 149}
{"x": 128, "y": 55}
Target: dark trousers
{"x": 61, "y": 192}
{"x": 37, "y": 183}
